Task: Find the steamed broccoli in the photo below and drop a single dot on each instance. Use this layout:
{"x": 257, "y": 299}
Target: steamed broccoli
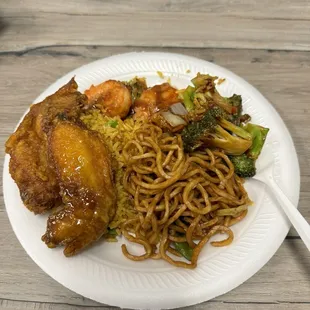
{"x": 244, "y": 165}
{"x": 259, "y": 135}
{"x": 205, "y": 83}
{"x": 232, "y": 105}
{"x": 224, "y": 119}
{"x": 221, "y": 125}
{"x": 203, "y": 79}
{"x": 236, "y": 102}
{"x": 214, "y": 130}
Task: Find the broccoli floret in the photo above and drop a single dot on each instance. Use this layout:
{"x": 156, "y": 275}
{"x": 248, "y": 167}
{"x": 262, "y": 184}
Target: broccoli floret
{"x": 204, "y": 80}
{"x": 205, "y": 84}
{"x": 232, "y": 105}
{"x": 259, "y": 135}
{"x": 224, "y": 119}
{"x": 236, "y": 102}
{"x": 218, "y": 112}
{"x": 194, "y": 133}
{"x": 214, "y": 130}
{"x": 244, "y": 165}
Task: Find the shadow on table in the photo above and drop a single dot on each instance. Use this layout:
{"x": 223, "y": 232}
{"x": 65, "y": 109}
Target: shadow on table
{"x": 3, "y": 25}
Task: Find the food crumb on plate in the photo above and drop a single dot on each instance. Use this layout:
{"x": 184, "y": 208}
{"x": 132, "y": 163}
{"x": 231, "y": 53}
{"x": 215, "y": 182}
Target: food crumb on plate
{"x": 160, "y": 74}
{"x": 220, "y": 81}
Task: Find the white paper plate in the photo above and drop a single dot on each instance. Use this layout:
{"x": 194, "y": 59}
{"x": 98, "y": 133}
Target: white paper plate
{"x": 102, "y": 273}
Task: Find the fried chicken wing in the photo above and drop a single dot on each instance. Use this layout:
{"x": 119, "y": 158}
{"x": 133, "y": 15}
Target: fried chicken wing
{"x": 83, "y": 166}
{"x": 66, "y": 104}
{"x": 29, "y": 166}
{"x": 27, "y": 146}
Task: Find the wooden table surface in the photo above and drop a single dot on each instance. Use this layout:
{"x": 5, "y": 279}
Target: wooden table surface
{"x": 266, "y": 42}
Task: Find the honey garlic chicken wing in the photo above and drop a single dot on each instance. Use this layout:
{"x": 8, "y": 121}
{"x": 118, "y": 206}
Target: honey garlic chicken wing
{"x": 66, "y": 103}
{"x": 83, "y": 167}
{"x": 29, "y": 164}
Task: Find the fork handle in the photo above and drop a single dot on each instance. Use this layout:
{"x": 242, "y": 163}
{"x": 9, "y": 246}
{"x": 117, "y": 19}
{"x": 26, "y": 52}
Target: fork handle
{"x": 298, "y": 221}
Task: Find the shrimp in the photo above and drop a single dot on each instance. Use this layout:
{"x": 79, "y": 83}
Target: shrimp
{"x": 111, "y": 97}
{"x": 154, "y": 99}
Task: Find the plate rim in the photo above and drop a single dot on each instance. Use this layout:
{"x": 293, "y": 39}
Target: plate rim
{"x": 245, "y": 84}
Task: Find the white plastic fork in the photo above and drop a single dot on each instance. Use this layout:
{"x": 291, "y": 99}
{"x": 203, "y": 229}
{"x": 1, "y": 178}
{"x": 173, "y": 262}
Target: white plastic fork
{"x": 265, "y": 175}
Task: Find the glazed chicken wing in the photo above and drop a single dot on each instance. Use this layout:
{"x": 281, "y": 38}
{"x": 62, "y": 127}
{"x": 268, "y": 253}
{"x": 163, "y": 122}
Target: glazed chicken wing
{"x": 83, "y": 167}
{"x": 66, "y": 104}
{"x": 29, "y": 166}
{"x": 27, "y": 146}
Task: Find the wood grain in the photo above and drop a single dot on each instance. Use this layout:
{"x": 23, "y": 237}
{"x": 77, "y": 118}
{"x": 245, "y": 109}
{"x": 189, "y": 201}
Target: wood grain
{"x": 19, "y": 305}
{"x": 298, "y": 9}
{"x": 281, "y": 76}
{"x": 223, "y": 24}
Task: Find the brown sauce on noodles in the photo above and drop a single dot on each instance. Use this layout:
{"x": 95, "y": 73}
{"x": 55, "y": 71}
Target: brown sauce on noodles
{"x": 178, "y": 197}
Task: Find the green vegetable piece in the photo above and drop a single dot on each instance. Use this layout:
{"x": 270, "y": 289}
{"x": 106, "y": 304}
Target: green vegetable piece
{"x": 184, "y": 249}
{"x": 187, "y": 97}
{"x": 193, "y": 133}
{"x": 259, "y": 135}
{"x": 112, "y": 123}
{"x": 112, "y": 232}
{"x": 239, "y": 131}
{"x": 224, "y": 120}
{"x": 205, "y": 85}
{"x": 232, "y": 105}
{"x": 214, "y": 131}
{"x": 244, "y": 166}
{"x": 136, "y": 86}
{"x": 236, "y": 102}
{"x": 203, "y": 79}
{"x": 62, "y": 116}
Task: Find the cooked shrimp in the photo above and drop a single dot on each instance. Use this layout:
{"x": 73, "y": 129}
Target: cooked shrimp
{"x": 111, "y": 97}
{"x": 154, "y": 99}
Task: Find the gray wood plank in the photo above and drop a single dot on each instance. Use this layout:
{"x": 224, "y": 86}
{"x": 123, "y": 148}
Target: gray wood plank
{"x": 21, "y": 305}
{"x": 31, "y": 24}
{"x": 298, "y": 9}
{"x": 282, "y": 78}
